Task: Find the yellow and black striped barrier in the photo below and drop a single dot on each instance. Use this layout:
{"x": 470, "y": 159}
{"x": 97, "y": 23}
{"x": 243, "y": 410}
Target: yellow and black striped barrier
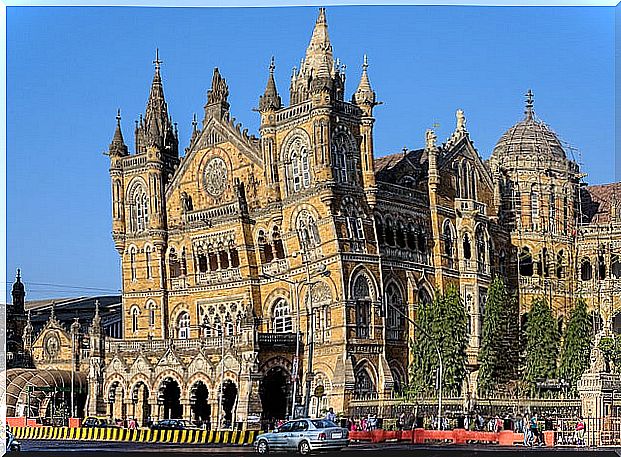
{"x": 233, "y": 437}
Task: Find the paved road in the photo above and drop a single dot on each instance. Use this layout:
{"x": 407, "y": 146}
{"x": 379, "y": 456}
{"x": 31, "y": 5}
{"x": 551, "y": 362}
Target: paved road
{"x": 113, "y": 448}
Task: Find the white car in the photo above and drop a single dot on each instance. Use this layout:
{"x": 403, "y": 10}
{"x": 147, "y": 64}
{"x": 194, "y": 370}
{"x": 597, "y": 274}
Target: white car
{"x": 304, "y": 436}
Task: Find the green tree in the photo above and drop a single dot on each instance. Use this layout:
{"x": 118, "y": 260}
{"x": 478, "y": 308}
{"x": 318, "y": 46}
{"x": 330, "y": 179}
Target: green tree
{"x": 576, "y": 348}
{"x": 542, "y": 343}
{"x": 441, "y": 322}
{"x": 499, "y": 355}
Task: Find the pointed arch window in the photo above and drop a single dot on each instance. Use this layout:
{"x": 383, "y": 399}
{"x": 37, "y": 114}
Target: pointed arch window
{"x": 147, "y": 258}
{"x": 552, "y": 210}
{"x": 534, "y": 207}
{"x": 449, "y": 241}
{"x": 282, "y": 321}
{"x": 229, "y": 325}
{"x": 151, "y": 307}
{"x": 132, "y": 263}
{"x": 467, "y": 247}
{"x": 135, "y": 313}
{"x": 526, "y": 262}
{"x": 390, "y": 232}
{"x": 174, "y": 264}
{"x": 560, "y": 264}
{"x": 362, "y": 296}
{"x": 300, "y": 166}
{"x": 379, "y": 228}
{"x": 265, "y": 249}
{"x": 217, "y": 326}
{"x": 395, "y": 313}
{"x": 586, "y": 270}
{"x": 140, "y": 209}
{"x": 480, "y": 245}
{"x": 183, "y": 326}
{"x": 279, "y": 248}
{"x": 363, "y": 386}
{"x": 342, "y": 149}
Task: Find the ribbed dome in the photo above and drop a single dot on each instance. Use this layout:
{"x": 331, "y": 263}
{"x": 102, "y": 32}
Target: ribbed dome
{"x": 529, "y": 138}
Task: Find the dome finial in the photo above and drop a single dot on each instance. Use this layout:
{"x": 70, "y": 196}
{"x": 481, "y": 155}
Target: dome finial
{"x": 529, "y": 104}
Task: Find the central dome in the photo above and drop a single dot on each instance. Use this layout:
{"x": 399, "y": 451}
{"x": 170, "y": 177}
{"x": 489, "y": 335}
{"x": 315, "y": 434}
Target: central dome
{"x": 529, "y": 138}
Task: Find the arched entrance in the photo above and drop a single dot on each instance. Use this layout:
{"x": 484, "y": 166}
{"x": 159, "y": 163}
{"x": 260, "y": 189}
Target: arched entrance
{"x": 275, "y": 392}
{"x": 199, "y": 401}
{"x": 169, "y": 397}
{"x": 115, "y": 399}
{"x": 229, "y": 398}
{"x": 140, "y": 400}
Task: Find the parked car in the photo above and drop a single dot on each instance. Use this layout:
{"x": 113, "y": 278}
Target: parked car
{"x": 98, "y": 422}
{"x": 304, "y": 436}
{"x": 174, "y": 424}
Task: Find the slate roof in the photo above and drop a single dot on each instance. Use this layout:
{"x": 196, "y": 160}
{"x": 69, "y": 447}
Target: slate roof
{"x": 597, "y": 201}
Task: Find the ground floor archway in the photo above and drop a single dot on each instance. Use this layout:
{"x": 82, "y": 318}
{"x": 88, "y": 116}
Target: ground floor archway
{"x": 170, "y": 398}
{"x": 275, "y": 393}
{"x": 140, "y": 401}
{"x": 199, "y": 402}
{"x": 229, "y": 400}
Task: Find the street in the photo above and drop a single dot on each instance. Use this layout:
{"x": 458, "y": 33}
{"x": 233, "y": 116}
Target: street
{"x": 113, "y": 448}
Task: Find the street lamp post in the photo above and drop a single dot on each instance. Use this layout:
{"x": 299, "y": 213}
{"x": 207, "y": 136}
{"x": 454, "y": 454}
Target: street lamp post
{"x": 438, "y": 353}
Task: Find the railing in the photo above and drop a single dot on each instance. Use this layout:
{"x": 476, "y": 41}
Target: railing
{"x": 207, "y": 215}
{"x": 406, "y": 254}
{"x": 219, "y": 276}
{"x": 347, "y": 108}
{"x": 178, "y": 283}
{"x": 277, "y": 339}
{"x": 161, "y": 345}
{"x": 275, "y": 267}
{"x": 295, "y": 110}
{"x": 135, "y": 161}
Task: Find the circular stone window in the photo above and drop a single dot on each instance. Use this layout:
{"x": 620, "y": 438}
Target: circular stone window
{"x": 216, "y": 177}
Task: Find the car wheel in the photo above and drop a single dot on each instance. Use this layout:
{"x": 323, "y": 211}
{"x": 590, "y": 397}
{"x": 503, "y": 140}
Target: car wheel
{"x": 262, "y": 447}
{"x": 304, "y": 448}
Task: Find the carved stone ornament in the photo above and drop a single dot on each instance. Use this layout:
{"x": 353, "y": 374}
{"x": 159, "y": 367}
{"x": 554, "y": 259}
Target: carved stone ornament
{"x": 52, "y": 346}
{"x": 216, "y": 177}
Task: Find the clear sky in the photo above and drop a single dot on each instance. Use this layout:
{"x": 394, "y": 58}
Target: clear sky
{"x": 69, "y": 69}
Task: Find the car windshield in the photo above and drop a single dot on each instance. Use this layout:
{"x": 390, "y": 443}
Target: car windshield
{"x": 323, "y": 423}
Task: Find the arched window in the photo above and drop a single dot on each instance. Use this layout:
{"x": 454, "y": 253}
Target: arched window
{"x": 411, "y": 240}
{"x": 152, "y": 315}
{"x": 212, "y": 256}
{"x": 502, "y": 262}
{"x": 139, "y": 209}
{"x": 355, "y": 230}
{"x": 362, "y": 296}
{"x": 208, "y": 329}
{"x": 601, "y": 267}
{"x": 586, "y": 271}
{"x": 615, "y": 266}
{"x": 279, "y": 249}
{"x": 282, "y": 322}
{"x": 341, "y": 152}
{"x": 421, "y": 241}
{"x": 174, "y": 264}
{"x": 217, "y": 326}
{"x": 224, "y": 257}
{"x": 449, "y": 240}
{"x": 229, "y": 325}
{"x": 234, "y": 255}
{"x": 147, "y": 258}
{"x": 545, "y": 260}
{"x": 183, "y": 326}
{"x": 308, "y": 233}
{"x": 395, "y": 313}
{"x": 552, "y": 210}
{"x": 424, "y": 298}
{"x": 560, "y": 264}
{"x": 480, "y": 244}
{"x": 132, "y": 262}
{"x": 265, "y": 249}
{"x": 534, "y": 207}
{"x": 363, "y": 384}
{"x": 526, "y": 262}
{"x": 300, "y": 167}
{"x": 467, "y": 247}
{"x": 135, "y": 313}
{"x": 203, "y": 264}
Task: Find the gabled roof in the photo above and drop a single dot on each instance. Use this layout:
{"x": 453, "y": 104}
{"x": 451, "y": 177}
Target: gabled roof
{"x": 598, "y": 200}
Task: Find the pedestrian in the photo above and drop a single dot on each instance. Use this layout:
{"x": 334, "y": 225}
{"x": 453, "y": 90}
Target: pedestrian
{"x": 526, "y": 428}
{"x": 330, "y": 415}
{"x": 131, "y": 424}
{"x": 499, "y": 424}
{"x": 534, "y": 429}
{"x": 579, "y": 433}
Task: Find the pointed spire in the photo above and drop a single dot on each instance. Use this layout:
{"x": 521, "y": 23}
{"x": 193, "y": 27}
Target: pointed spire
{"x": 53, "y": 311}
{"x": 270, "y": 100}
{"x": 118, "y": 147}
{"x": 364, "y": 95}
{"x": 529, "y": 105}
{"x": 217, "y": 97}
{"x": 319, "y": 52}
{"x": 156, "y": 115}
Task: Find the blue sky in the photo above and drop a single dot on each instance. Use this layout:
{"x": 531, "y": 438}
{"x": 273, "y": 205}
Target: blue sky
{"x": 70, "y": 68}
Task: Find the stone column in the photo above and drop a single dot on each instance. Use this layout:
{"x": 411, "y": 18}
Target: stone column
{"x": 187, "y": 410}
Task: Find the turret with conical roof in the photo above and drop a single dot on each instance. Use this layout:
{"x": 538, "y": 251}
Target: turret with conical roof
{"x": 318, "y": 72}
{"x": 118, "y": 147}
{"x": 270, "y": 100}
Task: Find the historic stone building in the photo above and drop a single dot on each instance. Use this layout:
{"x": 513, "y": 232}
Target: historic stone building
{"x": 232, "y": 250}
